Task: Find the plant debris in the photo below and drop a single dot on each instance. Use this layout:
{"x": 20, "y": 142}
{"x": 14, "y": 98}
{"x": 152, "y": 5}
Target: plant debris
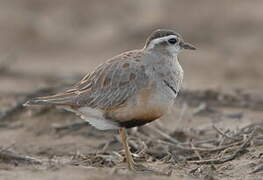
{"x": 200, "y": 149}
{"x": 13, "y": 158}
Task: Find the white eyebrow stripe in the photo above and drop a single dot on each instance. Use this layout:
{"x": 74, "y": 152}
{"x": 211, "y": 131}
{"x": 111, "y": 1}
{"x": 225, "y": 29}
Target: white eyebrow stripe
{"x": 158, "y": 40}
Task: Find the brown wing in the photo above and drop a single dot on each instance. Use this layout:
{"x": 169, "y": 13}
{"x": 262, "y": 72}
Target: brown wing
{"x": 112, "y": 83}
{"x": 108, "y": 87}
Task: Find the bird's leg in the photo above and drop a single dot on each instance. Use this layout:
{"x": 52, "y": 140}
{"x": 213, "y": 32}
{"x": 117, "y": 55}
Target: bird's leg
{"x": 131, "y": 164}
{"x": 138, "y": 168}
{"x": 129, "y": 159}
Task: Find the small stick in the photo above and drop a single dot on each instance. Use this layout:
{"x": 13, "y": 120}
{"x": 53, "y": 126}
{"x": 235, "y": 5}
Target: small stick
{"x": 231, "y": 157}
{"x": 9, "y": 156}
{"x": 179, "y": 146}
{"x": 249, "y": 127}
{"x": 76, "y": 125}
{"x": 196, "y": 152}
{"x": 257, "y": 169}
{"x": 224, "y": 134}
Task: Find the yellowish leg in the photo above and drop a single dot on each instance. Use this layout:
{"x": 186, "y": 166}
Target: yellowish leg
{"x": 131, "y": 163}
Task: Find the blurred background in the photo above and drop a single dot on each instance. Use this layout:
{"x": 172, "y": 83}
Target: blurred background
{"x": 62, "y": 38}
{"x": 53, "y": 43}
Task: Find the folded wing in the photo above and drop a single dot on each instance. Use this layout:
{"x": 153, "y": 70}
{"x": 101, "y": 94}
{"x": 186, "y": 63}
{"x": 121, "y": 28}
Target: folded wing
{"x": 108, "y": 87}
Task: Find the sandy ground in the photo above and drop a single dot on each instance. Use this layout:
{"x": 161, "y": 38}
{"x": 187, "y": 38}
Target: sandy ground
{"x": 53, "y": 43}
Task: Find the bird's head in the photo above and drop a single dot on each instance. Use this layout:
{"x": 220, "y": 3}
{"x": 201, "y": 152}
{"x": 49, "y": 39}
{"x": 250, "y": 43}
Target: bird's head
{"x": 167, "y": 41}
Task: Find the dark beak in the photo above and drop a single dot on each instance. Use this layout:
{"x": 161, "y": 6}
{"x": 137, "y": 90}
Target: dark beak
{"x": 185, "y": 45}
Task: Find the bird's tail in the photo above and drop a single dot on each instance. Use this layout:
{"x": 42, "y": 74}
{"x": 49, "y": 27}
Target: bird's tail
{"x": 66, "y": 98}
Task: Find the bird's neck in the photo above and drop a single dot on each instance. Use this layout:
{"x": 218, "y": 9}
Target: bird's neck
{"x": 163, "y": 55}
{"x": 162, "y": 52}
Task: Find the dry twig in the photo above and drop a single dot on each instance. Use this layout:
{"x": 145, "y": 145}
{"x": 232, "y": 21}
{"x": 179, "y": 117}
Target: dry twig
{"x": 230, "y": 157}
{"x": 258, "y": 168}
{"x": 11, "y": 157}
{"x": 224, "y": 134}
{"x": 72, "y": 126}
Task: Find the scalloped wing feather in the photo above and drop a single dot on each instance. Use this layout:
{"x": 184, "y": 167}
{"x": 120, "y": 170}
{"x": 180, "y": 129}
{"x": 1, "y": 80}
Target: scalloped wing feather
{"x": 108, "y": 87}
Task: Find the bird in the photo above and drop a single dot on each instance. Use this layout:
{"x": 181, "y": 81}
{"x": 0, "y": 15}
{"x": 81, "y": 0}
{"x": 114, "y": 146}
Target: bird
{"x": 128, "y": 90}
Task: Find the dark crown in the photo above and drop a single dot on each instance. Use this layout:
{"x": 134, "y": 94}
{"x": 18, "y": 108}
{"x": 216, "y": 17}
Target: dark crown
{"x": 159, "y": 33}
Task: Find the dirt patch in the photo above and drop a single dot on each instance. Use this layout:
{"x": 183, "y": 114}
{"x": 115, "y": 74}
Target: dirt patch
{"x": 46, "y": 139}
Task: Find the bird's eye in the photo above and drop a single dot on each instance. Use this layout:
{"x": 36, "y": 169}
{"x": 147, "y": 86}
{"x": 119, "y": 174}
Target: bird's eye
{"x": 172, "y": 41}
